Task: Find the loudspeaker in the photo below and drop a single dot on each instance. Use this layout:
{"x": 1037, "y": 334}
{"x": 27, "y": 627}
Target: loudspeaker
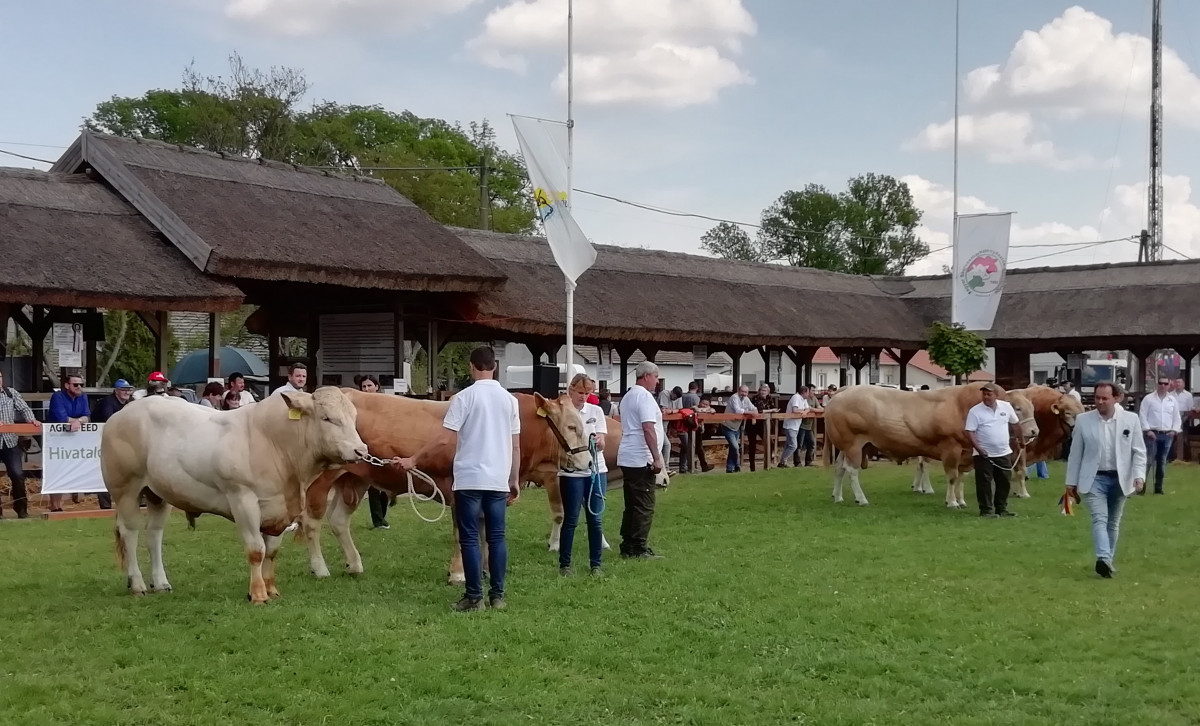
{"x": 545, "y": 380}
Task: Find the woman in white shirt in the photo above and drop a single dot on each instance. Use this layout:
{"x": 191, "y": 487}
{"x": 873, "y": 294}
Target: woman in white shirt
{"x": 578, "y": 488}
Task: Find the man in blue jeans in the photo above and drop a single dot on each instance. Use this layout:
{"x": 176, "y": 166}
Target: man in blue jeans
{"x": 1106, "y": 465}
{"x": 483, "y": 424}
{"x": 1160, "y": 423}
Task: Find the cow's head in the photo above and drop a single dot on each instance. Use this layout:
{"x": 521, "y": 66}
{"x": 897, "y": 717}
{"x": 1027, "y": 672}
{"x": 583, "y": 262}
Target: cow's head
{"x": 567, "y": 426}
{"x": 331, "y": 423}
{"x": 1025, "y": 415}
{"x": 1066, "y": 408}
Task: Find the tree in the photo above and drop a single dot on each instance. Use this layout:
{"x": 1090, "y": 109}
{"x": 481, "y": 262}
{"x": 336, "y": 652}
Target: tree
{"x": 129, "y": 349}
{"x": 255, "y": 114}
{"x": 958, "y": 350}
{"x": 869, "y": 229}
{"x": 731, "y": 242}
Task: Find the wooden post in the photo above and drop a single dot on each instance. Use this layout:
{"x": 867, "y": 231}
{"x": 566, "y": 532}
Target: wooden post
{"x": 162, "y": 343}
{"x": 37, "y": 339}
{"x": 214, "y": 345}
{"x": 431, "y": 350}
{"x": 312, "y": 348}
{"x": 398, "y": 343}
{"x": 903, "y": 357}
{"x": 91, "y": 364}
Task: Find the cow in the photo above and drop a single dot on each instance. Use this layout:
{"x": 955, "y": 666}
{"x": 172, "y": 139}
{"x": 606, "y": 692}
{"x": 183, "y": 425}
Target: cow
{"x": 551, "y": 434}
{"x": 1054, "y": 412}
{"x": 907, "y": 424}
{"x": 249, "y": 465}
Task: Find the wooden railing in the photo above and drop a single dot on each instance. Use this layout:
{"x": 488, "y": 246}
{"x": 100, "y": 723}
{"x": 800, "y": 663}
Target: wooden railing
{"x": 772, "y": 422}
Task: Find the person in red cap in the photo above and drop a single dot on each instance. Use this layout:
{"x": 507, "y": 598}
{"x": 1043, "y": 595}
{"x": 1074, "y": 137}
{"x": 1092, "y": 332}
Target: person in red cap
{"x": 156, "y": 385}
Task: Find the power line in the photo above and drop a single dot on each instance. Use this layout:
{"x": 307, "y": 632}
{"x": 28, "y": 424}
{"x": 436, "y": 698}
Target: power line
{"x": 43, "y": 146}
{"x": 1081, "y": 247}
{"x": 22, "y": 156}
{"x": 1186, "y": 257}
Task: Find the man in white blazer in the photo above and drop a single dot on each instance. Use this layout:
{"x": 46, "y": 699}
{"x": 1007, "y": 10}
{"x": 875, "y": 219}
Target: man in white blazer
{"x": 1106, "y": 465}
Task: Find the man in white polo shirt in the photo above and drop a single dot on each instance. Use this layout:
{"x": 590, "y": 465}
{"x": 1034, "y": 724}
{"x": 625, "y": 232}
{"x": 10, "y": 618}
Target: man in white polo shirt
{"x": 640, "y": 458}
{"x": 991, "y": 424}
{"x": 484, "y": 425}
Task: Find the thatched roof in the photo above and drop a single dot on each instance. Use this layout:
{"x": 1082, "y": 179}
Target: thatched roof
{"x": 262, "y": 220}
{"x": 651, "y": 296}
{"x": 68, "y": 240}
{"x": 1083, "y": 306}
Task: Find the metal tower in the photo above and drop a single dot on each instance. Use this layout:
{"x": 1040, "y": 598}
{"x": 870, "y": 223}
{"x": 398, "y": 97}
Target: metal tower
{"x": 1152, "y": 248}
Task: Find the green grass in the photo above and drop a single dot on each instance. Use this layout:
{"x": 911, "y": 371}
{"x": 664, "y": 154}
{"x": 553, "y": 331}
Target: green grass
{"x": 773, "y": 606}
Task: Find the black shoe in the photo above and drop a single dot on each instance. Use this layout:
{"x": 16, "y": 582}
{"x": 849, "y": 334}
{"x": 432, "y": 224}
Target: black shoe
{"x": 1103, "y": 569}
{"x": 467, "y": 605}
{"x": 497, "y": 603}
{"x": 1006, "y": 513}
{"x": 989, "y": 515}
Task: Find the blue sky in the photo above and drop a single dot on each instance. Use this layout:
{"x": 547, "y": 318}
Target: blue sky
{"x": 709, "y": 106}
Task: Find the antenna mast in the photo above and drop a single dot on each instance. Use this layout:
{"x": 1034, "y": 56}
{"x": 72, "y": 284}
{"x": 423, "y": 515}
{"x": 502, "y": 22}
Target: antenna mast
{"x": 1152, "y": 247}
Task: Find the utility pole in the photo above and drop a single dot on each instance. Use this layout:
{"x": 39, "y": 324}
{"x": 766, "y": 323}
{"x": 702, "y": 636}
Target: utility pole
{"x": 485, "y": 202}
{"x": 1154, "y": 248}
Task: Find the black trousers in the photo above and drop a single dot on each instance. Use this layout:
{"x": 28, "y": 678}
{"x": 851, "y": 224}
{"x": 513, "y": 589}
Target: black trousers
{"x": 378, "y": 501}
{"x": 639, "y": 508}
{"x": 995, "y": 470}
{"x": 12, "y": 459}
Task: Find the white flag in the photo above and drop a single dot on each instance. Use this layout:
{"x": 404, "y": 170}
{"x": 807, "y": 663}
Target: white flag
{"x": 982, "y": 261}
{"x": 544, "y": 146}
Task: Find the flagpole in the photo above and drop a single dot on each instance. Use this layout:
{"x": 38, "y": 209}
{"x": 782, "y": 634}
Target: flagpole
{"x": 570, "y": 191}
{"x": 954, "y": 220}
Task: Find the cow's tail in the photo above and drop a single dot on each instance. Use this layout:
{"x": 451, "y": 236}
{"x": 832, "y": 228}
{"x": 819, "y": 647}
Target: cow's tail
{"x": 827, "y": 453}
{"x": 120, "y": 547}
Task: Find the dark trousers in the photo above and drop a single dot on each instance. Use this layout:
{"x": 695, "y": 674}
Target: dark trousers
{"x": 1158, "y": 445}
{"x": 988, "y": 470}
{"x": 753, "y": 434}
{"x": 685, "y": 451}
{"x": 575, "y": 491}
{"x": 639, "y": 509}
{"x": 468, "y": 505}
{"x": 378, "y": 501}
{"x": 806, "y": 442}
{"x": 14, "y": 467}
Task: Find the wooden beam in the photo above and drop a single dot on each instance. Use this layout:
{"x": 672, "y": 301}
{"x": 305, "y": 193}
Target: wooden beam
{"x": 431, "y": 351}
{"x": 398, "y": 342}
{"x": 90, "y": 362}
{"x": 37, "y": 338}
{"x": 214, "y": 346}
{"x": 150, "y": 320}
{"x": 152, "y": 208}
{"x": 162, "y": 341}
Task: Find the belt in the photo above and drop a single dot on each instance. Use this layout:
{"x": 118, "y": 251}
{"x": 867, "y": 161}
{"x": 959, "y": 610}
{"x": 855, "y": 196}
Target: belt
{"x": 1107, "y": 472}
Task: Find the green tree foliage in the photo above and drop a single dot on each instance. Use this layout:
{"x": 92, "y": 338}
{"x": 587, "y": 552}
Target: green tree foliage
{"x": 128, "y": 350}
{"x": 958, "y": 350}
{"x": 256, "y": 114}
{"x": 868, "y": 229}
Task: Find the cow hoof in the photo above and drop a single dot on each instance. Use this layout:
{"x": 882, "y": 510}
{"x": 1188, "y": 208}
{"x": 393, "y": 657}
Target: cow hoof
{"x": 353, "y": 571}
{"x": 552, "y": 546}
{"x": 138, "y": 593}
{"x": 862, "y": 504}
{"x": 161, "y": 588}
{"x": 321, "y": 572}
{"x": 456, "y": 580}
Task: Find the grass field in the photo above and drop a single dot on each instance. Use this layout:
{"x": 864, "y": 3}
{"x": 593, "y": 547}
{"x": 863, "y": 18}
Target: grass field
{"x": 772, "y": 606}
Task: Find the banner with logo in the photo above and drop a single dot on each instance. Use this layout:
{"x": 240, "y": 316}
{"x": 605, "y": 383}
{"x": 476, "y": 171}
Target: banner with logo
{"x": 544, "y": 147}
{"x": 981, "y": 262}
{"x": 71, "y": 459}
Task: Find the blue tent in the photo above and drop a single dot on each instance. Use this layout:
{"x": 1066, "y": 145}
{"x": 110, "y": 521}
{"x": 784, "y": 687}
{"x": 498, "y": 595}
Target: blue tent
{"x": 193, "y": 367}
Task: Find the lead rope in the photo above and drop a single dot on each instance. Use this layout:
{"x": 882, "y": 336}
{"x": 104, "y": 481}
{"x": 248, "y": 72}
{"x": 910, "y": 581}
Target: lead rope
{"x": 413, "y": 496}
{"x": 594, "y": 481}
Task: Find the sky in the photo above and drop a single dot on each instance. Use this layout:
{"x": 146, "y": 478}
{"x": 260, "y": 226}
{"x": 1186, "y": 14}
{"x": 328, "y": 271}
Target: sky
{"x": 712, "y": 107}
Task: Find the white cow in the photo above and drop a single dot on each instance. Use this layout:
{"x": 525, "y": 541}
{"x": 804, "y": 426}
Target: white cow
{"x": 249, "y": 465}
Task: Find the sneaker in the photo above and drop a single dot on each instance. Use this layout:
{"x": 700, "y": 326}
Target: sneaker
{"x": 1103, "y": 569}
{"x": 497, "y": 603}
{"x": 597, "y": 572}
{"x": 566, "y": 571}
{"x": 468, "y": 604}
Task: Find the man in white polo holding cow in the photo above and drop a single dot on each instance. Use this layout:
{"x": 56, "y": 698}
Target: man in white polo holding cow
{"x": 991, "y": 424}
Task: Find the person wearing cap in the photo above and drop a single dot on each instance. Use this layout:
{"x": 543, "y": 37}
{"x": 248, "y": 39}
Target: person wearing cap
{"x": 156, "y": 385}
{"x": 991, "y": 425}
{"x": 103, "y": 410}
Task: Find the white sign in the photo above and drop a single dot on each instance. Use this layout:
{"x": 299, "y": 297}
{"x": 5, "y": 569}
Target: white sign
{"x": 71, "y": 459}
{"x": 774, "y": 366}
{"x": 873, "y": 373}
{"x": 981, "y": 260}
{"x": 604, "y": 368}
{"x": 699, "y": 362}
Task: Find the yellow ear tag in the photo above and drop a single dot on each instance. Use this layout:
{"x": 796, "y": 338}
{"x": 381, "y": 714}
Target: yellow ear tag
{"x": 541, "y": 412}
{"x": 295, "y": 414}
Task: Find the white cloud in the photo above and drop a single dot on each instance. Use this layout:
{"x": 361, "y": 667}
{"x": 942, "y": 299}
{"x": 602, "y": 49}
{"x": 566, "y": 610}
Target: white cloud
{"x": 1003, "y": 137}
{"x": 1125, "y": 215}
{"x": 1076, "y": 65}
{"x": 300, "y": 18}
{"x": 669, "y": 53}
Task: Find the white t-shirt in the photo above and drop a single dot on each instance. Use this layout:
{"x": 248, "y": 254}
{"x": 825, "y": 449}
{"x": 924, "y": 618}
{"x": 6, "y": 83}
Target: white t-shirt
{"x": 593, "y": 423}
{"x": 486, "y": 418}
{"x": 796, "y": 404}
{"x": 991, "y": 426}
{"x": 288, "y": 388}
{"x": 637, "y": 407}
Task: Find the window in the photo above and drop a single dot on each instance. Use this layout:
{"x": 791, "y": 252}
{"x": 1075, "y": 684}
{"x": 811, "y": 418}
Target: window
{"x": 889, "y": 378}
{"x": 821, "y": 380}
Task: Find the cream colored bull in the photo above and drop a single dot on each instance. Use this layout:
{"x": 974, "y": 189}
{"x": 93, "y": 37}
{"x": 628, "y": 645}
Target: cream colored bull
{"x": 249, "y": 465}
{"x": 907, "y": 424}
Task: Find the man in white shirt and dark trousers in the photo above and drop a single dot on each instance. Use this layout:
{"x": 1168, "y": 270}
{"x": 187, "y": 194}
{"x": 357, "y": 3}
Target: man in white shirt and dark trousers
{"x": 483, "y": 423}
{"x": 640, "y": 458}
{"x": 1159, "y": 414}
{"x": 1107, "y": 464}
{"x": 991, "y": 424}
{"x": 791, "y": 426}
